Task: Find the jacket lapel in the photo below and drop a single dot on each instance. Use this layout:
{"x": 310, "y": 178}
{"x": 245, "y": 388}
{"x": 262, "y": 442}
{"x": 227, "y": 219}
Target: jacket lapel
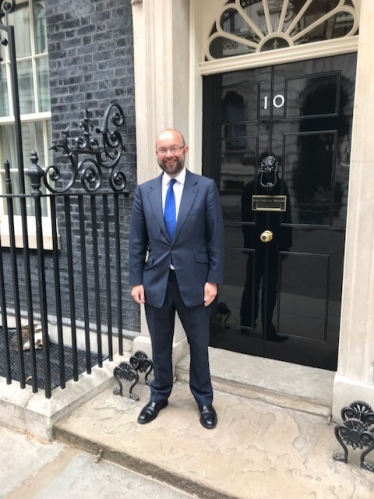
{"x": 155, "y": 200}
{"x": 190, "y": 191}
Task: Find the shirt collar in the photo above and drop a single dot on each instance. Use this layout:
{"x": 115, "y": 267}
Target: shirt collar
{"x": 181, "y": 177}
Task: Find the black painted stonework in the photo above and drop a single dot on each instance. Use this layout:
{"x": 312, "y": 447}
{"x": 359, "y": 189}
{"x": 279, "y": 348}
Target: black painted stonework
{"x": 91, "y": 65}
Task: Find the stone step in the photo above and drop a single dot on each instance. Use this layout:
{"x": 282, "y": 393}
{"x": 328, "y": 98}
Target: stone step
{"x": 286, "y": 385}
{"x": 257, "y": 451}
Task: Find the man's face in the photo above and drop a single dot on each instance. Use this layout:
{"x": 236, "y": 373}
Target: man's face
{"x": 171, "y": 153}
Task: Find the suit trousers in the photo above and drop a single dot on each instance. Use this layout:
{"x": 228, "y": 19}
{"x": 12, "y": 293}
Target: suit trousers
{"x": 196, "y": 323}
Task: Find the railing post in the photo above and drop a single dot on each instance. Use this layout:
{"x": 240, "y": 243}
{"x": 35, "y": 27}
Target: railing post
{"x": 36, "y": 173}
{"x": 15, "y": 276}
{"x": 6, "y": 7}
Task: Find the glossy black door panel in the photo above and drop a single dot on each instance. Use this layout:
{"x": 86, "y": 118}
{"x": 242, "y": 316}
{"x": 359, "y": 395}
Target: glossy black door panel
{"x": 283, "y": 269}
{"x": 302, "y": 287}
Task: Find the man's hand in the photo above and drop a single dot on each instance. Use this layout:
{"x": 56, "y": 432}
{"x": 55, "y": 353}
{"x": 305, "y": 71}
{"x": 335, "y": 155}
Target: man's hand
{"x": 210, "y": 292}
{"x": 137, "y": 292}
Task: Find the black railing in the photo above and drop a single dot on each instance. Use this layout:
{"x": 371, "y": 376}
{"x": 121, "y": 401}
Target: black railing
{"x": 6, "y": 7}
{"x": 70, "y": 291}
{"x": 61, "y": 264}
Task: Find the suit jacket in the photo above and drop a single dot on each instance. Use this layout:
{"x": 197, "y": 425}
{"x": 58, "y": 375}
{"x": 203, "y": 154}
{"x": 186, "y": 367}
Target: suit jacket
{"x": 197, "y": 246}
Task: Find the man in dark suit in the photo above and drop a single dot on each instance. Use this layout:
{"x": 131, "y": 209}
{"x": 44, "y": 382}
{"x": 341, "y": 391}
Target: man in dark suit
{"x": 176, "y": 262}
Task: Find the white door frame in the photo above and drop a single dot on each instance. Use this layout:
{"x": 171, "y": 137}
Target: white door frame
{"x": 169, "y": 44}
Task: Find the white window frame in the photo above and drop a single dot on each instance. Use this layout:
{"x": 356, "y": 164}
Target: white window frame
{"x": 37, "y": 116}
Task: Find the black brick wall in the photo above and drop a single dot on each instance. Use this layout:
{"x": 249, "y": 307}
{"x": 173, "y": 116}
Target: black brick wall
{"x": 90, "y": 46}
{"x": 91, "y": 66}
{"x": 91, "y": 61}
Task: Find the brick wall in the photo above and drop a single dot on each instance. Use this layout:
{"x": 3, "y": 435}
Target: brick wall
{"x": 90, "y": 46}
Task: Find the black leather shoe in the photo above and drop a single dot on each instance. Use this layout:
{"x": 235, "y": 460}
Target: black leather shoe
{"x": 150, "y": 411}
{"x": 208, "y": 416}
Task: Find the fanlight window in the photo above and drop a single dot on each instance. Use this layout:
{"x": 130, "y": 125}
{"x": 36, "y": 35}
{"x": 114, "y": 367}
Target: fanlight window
{"x": 249, "y": 26}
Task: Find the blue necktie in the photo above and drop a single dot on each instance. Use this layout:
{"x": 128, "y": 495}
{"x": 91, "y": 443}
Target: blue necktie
{"x": 170, "y": 216}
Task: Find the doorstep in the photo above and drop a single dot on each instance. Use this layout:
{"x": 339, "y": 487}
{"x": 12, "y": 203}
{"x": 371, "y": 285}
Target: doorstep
{"x": 286, "y": 385}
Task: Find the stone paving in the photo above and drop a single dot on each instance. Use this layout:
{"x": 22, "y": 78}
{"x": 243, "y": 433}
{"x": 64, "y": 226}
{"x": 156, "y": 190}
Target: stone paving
{"x": 257, "y": 451}
{"x": 31, "y": 469}
{"x": 273, "y": 438}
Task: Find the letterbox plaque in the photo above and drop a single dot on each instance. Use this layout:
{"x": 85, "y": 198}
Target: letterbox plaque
{"x": 269, "y": 203}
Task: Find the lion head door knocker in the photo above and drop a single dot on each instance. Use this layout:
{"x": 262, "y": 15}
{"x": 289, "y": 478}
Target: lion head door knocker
{"x": 269, "y": 168}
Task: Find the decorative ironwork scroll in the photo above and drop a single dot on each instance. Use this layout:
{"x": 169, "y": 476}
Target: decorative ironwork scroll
{"x": 139, "y": 362}
{"x": 357, "y": 431}
{"x": 127, "y": 372}
{"x": 5, "y": 8}
{"x": 90, "y": 156}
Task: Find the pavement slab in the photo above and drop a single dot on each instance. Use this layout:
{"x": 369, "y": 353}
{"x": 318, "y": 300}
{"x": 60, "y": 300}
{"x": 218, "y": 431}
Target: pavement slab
{"x": 32, "y": 469}
{"x": 21, "y": 456}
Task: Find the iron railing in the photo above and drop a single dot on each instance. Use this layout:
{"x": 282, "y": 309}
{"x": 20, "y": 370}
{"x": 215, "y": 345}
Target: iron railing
{"x": 69, "y": 285}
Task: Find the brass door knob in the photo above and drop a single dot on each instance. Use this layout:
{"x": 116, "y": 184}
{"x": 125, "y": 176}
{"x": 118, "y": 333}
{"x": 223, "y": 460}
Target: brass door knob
{"x": 266, "y": 236}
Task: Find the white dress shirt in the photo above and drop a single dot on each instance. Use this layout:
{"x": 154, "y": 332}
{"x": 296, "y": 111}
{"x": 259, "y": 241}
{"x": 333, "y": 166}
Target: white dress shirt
{"x": 178, "y": 189}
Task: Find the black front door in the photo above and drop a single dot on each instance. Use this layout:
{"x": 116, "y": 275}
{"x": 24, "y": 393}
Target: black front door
{"x": 277, "y": 141}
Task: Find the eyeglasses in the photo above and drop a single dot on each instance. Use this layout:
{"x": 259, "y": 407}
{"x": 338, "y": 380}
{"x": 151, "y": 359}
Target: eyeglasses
{"x": 173, "y": 150}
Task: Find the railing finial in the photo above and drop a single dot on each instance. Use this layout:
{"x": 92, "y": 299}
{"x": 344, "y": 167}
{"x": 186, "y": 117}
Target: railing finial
{"x": 36, "y": 174}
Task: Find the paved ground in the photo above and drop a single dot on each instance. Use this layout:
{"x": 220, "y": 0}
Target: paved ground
{"x": 257, "y": 451}
{"x": 32, "y": 469}
{"x": 273, "y": 441}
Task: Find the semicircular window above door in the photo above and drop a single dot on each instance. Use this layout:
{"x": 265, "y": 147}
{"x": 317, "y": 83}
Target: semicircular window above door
{"x": 250, "y": 26}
